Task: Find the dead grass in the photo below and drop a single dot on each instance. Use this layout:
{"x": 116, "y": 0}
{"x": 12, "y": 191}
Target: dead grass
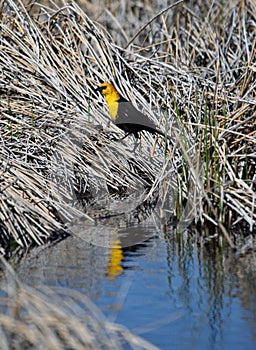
{"x": 192, "y": 69}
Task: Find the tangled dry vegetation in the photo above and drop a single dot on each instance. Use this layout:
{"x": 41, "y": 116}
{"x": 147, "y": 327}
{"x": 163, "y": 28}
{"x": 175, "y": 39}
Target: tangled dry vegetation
{"x": 191, "y": 69}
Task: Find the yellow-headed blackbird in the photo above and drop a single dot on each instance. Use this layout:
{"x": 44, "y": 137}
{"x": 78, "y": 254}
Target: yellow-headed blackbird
{"x": 124, "y": 114}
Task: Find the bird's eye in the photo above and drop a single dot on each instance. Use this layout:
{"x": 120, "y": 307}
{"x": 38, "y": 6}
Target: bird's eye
{"x": 103, "y": 87}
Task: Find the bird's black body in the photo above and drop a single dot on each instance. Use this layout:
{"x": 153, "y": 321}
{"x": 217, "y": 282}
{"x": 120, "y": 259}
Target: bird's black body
{"x": 125, "y": 115}
{"x": 132, "y": 121}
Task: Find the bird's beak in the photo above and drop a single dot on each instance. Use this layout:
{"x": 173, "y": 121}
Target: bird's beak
{"x": 99, "y": 89}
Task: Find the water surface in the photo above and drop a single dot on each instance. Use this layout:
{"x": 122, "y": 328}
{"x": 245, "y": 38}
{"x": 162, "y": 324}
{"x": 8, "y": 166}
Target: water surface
{"x": 167, "y": 289}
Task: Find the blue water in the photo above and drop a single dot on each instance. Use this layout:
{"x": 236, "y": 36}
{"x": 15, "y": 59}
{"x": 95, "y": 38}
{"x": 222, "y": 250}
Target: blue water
{"x": 167, "y": 290}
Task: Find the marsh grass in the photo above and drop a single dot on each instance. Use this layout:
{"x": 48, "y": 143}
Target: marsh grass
{"x": 192, "y": 70}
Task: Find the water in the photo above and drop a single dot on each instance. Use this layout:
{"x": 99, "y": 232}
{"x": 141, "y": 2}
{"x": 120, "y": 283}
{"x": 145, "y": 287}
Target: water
{"x": 169, "y": 291}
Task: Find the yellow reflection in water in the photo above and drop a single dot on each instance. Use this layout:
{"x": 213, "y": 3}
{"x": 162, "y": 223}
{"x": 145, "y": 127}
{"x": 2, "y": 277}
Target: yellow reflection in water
{"x": 114, "y": 267}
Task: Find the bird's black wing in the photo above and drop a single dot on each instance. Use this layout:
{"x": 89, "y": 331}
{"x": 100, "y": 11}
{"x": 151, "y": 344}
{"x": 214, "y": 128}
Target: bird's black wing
{"x": 131, "y": 117}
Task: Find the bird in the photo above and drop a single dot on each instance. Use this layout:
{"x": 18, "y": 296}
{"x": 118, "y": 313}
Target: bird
{"x": 125, "y": 115}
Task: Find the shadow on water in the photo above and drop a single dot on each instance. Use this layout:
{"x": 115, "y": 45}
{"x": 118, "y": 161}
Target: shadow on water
{"x": 165, "y": 288}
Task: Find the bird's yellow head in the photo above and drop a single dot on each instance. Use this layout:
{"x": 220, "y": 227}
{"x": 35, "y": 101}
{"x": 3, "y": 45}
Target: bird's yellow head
{"x": 112, "y": 97}
{"x": 106, "y": 89}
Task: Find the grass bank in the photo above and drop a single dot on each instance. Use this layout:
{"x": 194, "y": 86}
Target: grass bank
{"x": 191, "y": 69}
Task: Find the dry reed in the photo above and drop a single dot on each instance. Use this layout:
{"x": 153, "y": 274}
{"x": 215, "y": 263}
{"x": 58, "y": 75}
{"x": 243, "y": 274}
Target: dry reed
{"x": 191, "y": 70}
